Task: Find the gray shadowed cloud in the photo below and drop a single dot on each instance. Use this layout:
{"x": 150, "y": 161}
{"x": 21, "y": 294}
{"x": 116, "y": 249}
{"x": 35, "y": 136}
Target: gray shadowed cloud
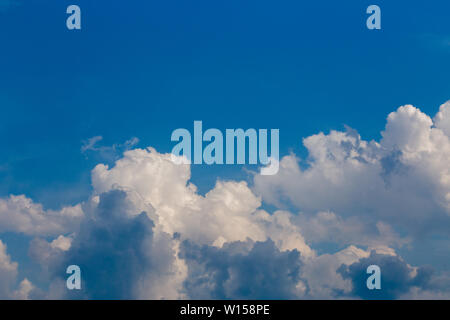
{"x": 397, "y": 277}
{"x": 241, "y": 270}
{"x": 114, "y": 251}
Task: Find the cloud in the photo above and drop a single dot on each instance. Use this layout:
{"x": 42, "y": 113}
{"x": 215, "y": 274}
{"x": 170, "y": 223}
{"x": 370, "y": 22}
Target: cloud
{"x": 397, "y": 277}
{"x": 121, "y": 256}
{"x": 403, "y": 180}
{"x": 328, "y": 227}
{"x": 8, "y": 278}
{"x": 229, "y": 212}
{"x": 442, "y": 119}
{"x": 140, "y": 211}
{"x": 242, "y": 270}
{"x": 24, "y": 291}
{"x": 437, "y": 287}
{"x": 146, "y": 232}
{"x": 322, "y": 276}
{"x": 8, "y": 273}
{"x": 20, "y": 214}
{"x": 106, "y": 153}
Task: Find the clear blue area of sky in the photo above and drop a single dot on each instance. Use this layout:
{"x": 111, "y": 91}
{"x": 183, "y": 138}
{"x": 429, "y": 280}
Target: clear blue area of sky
{"x": 144, "y": 68}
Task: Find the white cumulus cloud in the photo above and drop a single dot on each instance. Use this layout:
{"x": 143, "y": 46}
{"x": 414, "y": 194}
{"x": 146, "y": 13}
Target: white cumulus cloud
{"x": 402, "y": 180}
{"x": 146, "y": 232}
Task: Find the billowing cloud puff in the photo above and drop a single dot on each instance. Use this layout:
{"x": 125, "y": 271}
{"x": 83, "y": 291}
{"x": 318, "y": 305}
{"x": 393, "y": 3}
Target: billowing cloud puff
{"x": 242, "y": 270}
{"x": 322, "y": 276}
{"x": 8, "y": 272}
{"x": 442, "y": 119}
{"x": 437, "y": 286}
{"x": 397, "y": 277}
{"x": 147, "y": 233}
{"x": 403, "y": 180}
{"x": 229, "y": 212}
{"x": 8, "y": 278}
{"x": 120, "y": 255}
{"x": 142, "y": 208}
{"x": 20, "y": 214}
{"x": 328, "y": 227}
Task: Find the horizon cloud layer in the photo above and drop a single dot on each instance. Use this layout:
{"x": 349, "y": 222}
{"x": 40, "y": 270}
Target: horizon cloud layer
{"x": 145, "y": 222}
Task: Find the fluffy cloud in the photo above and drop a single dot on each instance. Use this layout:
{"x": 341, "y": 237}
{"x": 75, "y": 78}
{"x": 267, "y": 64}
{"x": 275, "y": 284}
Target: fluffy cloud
{"x": 8, "y": 272}
{"x": 141, "y": 209}
{"x": 403, "y": 180}
{"x": 242, "y": 270}
{"x": 328, "y": 227}
{"x": 121, "y": 255}
{"x": 442, "y": 119}
{"x": 147, "y": 233}
{"x": 437, "y": 286}
{"x": 397, "y": 278}
{"x": 20, "y": 214}
{"x": 8, "y": 278}
{"x": 229, "y": 212}
{"x": 322, "y": 276}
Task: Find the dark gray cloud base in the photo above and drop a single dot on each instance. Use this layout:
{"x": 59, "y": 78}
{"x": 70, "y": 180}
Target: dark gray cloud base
{"x": 241, "y": 270}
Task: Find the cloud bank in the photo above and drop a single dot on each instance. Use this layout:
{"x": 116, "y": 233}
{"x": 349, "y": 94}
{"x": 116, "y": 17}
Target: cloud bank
{"x": 146, "y": 232}
{"x": 403, "y": 180}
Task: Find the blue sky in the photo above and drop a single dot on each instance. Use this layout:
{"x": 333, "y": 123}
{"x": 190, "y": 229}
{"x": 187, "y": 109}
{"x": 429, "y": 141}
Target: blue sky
{"x": 145, "y": 68}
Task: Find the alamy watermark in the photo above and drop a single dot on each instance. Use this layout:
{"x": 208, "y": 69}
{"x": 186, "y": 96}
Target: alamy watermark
{"x": 374, "y": 20}
{"x": 241, "y": 147}
{"x": 73, "y": 22}
{"x": 374, "y": 281}
{"x": 74, "y": 280}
